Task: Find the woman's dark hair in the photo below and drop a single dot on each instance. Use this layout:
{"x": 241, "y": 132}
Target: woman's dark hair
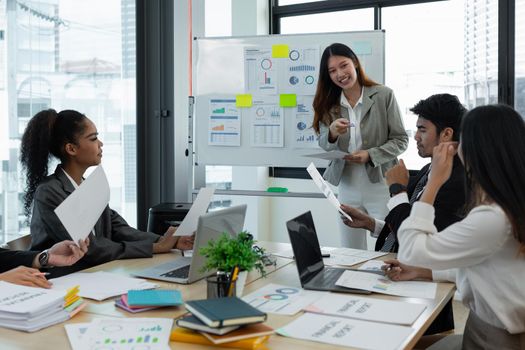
{"x": 45, "y": 135}
{"x": 493, "y": 147}
{"x": 327, "y": 94}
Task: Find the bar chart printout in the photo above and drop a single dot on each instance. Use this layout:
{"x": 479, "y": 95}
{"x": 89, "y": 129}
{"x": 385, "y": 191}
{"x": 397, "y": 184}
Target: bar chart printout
{"x": 224, "y": 123}
{"x": 119, "y": 334}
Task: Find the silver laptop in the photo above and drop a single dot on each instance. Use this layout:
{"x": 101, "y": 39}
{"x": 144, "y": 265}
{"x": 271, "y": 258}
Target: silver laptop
{"x": 210, "y": 226}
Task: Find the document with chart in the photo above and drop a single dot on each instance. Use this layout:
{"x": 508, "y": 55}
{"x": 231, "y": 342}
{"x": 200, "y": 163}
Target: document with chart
{"x": 325, "y": 189}
{"x": 382, "y": 284}
{"x": 280, "y": 299}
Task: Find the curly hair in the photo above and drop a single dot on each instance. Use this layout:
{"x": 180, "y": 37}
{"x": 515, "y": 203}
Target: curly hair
{"x": 45, "y": 136}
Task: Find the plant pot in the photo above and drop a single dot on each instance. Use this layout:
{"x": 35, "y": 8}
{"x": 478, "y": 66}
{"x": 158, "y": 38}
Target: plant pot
{"x": 241, "y": 281}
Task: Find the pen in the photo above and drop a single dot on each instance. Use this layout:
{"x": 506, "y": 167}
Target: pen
{"x": 325, "y": 255}
{"x": 41, "y": 274}
{"x": 233, "y": 278}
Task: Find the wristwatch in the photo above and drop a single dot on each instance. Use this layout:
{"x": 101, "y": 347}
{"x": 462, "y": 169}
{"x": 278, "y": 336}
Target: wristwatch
{"x": 43, "y": 258}
{"x": 396, "y": 188}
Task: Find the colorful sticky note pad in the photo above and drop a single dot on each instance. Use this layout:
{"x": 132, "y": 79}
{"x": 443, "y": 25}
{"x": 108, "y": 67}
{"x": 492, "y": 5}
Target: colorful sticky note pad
{"x": 243, "y": 100}
{"x": 280, "y": 51}
{"x": 288, "y": 100}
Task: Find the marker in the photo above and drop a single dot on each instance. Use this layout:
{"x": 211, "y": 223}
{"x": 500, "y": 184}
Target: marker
{"x": 277, "y": 189}
{"x": 325, "y": 255}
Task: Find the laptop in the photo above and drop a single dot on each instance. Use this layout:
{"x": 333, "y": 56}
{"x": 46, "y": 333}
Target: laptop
{"x": 210, "y": 226}
{"x": 308, "y": 258}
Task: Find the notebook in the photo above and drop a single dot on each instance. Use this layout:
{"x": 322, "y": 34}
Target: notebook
{"x": 222, "y": 312}
{"x": 156, "y": 297}
{"x": 246, "y": 332}
{"x": 309, "y": 260}
{"x": 187, "y": 270}
{"x": 122, "y": 303}
{"x": 192, "y": 322}
{"x": 187, "y": 336}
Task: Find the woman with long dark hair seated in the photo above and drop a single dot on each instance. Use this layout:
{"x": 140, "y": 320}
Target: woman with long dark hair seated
{"x": 484, "y": 254}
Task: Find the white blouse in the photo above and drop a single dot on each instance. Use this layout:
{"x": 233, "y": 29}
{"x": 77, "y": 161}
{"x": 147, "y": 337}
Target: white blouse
{"x": 479, "y": 253}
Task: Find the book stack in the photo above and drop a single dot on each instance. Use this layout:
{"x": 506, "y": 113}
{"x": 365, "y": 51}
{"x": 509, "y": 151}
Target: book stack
{"x": 226, "y": 322}
{"x": 143, "y": 300}
{"x": 31, "y": 309}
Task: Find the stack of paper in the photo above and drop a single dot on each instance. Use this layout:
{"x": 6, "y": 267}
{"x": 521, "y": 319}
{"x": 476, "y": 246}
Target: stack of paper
{"x": 120, "y": 334}
{"x": 30, "y": 309}
{"x": 367, "y": 309}
{"x": 100, "y": 285}
{"x": 346, "y": 332}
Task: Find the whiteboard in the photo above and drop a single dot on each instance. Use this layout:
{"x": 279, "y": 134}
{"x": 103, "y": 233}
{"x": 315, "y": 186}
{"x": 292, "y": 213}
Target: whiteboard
{"x": 224, "y": 70}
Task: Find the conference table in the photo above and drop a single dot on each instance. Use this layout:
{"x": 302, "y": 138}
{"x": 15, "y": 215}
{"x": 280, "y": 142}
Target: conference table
{"x": 283, "y": 272}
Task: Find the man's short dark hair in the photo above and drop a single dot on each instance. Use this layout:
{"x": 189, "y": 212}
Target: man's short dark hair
{"x": 443, "y": 110}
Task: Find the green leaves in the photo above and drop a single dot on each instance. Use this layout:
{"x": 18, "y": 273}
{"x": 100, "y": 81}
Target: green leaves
{"x": 227, "y": 252}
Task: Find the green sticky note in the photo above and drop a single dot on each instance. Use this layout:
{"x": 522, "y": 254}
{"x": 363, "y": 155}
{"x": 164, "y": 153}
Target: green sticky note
{"x": 288, "y": 100}
{"x": 243, "y": 100}
{"x": 280, "y": 51}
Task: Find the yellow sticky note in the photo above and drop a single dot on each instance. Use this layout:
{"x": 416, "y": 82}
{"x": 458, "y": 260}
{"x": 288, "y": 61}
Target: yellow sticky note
{"x": 280, "y": 51}
{"x": 243, "y": 100}
{"x": 288, "y": 100}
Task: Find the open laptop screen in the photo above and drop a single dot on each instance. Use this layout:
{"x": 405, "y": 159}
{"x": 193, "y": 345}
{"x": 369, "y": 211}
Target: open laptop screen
{"x": 305, "y": 246}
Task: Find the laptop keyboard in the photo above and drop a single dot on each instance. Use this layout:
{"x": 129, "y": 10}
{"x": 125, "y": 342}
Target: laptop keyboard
{"x": 327, "y": 277}
{"x": 181, "y": 272}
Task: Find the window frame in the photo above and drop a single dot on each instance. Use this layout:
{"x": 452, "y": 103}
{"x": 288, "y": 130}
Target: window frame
{"x": 506, "y": 44}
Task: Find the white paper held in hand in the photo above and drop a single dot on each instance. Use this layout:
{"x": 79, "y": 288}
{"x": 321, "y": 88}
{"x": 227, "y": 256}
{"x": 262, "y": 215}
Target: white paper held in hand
{"x": 80, "y": 211}
{"x": 198, "y": 208}
{"x": 325, "y": 189}
{"x": 336, "y": 154}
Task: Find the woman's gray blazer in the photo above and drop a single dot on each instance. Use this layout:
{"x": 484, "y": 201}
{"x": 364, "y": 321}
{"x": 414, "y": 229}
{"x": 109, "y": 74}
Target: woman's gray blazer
{"x": 382, "y": 132}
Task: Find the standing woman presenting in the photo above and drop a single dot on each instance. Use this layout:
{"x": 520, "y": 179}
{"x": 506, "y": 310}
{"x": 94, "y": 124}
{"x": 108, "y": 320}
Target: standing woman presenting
{"x": 354, "y": 114}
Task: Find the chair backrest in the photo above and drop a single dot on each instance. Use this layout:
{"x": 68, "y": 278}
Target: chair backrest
{"x": 20, "y": 243}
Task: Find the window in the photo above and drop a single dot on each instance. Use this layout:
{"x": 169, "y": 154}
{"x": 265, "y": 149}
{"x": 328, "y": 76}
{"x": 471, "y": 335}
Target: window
{"x": 431, "y": 47}
{"x": 69, "y": 54}
{"x": 218, "y": 22}
{"x": 424, "y": 56}
{"x": 519, "y": 96}
{"x": 292, "y": 2}
{"x": 340, "y": 21}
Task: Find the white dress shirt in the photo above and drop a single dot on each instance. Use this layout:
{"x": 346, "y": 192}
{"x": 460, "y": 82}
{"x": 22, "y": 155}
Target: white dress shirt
{"x": 479, "y": 253}
{"x": 354, "y": 114}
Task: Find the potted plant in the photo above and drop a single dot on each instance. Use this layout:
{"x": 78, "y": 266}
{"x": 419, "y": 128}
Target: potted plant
{"x": 227, "y": 252}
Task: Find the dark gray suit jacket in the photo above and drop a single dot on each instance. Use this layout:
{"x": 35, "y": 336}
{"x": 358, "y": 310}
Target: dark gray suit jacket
{"x": 114, "y": 238}
{"x": 9, "y": 259}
